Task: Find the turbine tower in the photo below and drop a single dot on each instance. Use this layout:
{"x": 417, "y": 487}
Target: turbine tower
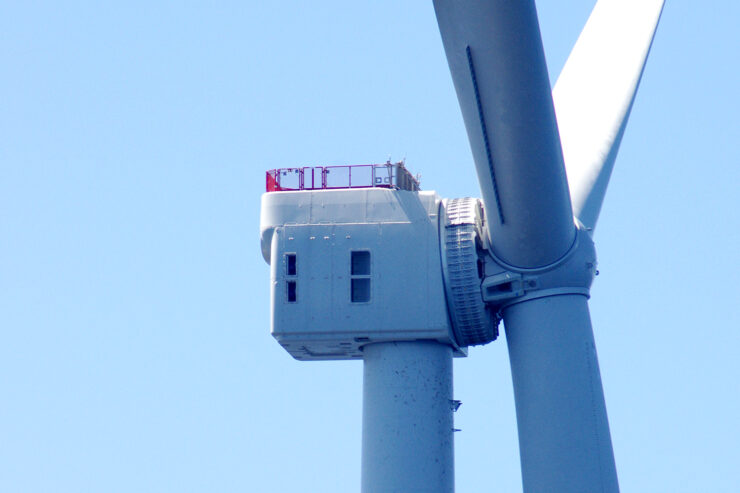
{"x": 366, "y": 266}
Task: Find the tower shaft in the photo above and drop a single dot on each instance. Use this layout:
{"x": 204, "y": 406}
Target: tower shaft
{"x": 407, "y": 426}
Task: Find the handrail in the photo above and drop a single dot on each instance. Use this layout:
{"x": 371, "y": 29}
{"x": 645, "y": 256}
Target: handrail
{"x": 385, "y": 175}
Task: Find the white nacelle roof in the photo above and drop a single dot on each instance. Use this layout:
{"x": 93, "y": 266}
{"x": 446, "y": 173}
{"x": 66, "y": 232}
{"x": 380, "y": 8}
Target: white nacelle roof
{"x": 370, "y": 205}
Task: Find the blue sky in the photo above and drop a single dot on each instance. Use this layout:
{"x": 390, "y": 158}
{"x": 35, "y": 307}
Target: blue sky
{"x": 136, "y": 353}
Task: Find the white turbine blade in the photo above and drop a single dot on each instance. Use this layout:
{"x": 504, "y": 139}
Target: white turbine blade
{"x": 564, "y": 439}
{"x": 497, "y": 62}
{"x": 594, "y": 94}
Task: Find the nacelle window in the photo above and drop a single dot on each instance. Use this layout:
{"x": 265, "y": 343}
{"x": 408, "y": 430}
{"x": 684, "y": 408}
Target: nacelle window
{"x": 360, "y": 276}
{"x": 292, "y": 294}
{"x": 291, "y": 270}
{"x": 291, "y": 267}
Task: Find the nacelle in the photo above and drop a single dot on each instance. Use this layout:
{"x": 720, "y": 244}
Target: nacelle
{"x": 354, "y": 266}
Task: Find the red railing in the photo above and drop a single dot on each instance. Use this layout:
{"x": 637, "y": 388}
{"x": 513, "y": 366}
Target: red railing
{"x": 386, "y": 175}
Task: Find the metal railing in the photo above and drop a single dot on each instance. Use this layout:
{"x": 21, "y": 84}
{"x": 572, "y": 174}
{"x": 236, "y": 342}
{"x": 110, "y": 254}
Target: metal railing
{"x": 386, "y": 175}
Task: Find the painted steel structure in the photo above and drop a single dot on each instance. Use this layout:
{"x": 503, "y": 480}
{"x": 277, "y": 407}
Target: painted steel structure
{"x": 326, "y": 305}
{"x": 405, "y": 280}
{"x": 407, "y": 425}
{"x": 386, "y": 175}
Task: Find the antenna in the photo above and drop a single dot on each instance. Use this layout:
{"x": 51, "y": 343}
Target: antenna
{"x": 364, "y": 265}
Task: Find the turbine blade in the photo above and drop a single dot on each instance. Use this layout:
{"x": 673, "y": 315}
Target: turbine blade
{"x": 594, "y": 94}
{"x": 564, "y": 440}
{"x": 494, "y": 50}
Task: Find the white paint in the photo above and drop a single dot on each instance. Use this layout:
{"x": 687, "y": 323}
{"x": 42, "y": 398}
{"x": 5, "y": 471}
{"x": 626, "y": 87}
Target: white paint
{"x": 321, "y": 228}
{"x": 564, "y": 440}
{"x": 594, "y": 94}
{"x": 407, "y": 425}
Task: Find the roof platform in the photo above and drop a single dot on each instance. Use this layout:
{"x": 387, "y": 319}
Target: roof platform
{"x": 385, "y": 175}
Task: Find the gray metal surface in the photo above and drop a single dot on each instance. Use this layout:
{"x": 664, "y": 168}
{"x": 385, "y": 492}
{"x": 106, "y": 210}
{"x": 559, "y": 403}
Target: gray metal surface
{"x": 407, "y": 426}
{"x": 463, "y": 262}
{"x": 320, "y": 230}
{"x": 564, "y": 440}
{"x": 495, "y": 55}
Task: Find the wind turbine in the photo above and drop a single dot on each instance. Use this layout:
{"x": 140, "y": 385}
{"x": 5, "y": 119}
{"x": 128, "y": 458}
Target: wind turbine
{"x": 372, "y": 268}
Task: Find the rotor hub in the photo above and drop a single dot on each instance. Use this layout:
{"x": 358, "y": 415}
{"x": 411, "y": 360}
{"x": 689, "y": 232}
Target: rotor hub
{"x": 573, "y": 273}
{"x": 479, "y": 285}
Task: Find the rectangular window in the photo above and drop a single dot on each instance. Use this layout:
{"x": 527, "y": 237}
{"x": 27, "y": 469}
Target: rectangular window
{"x": 361, "y": 263}
{"x": 360, "y": 276}
{"x": 360, "y": 290}
{"x": 292, "y": 298}
{"x": 290, "y": 264}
